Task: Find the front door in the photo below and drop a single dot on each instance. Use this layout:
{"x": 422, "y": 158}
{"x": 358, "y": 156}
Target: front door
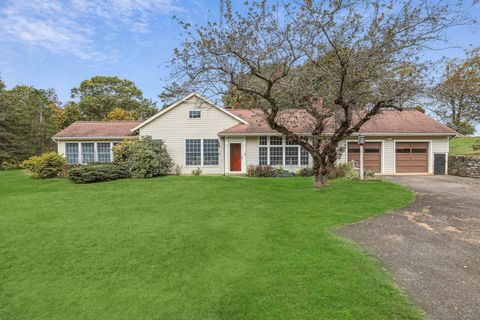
{"x": 235, "y": 157}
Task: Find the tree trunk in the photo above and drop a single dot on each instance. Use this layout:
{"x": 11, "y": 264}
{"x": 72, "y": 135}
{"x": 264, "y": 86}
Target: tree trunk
{"x": 321, "y": 180}
{"x": 319, "y": 172}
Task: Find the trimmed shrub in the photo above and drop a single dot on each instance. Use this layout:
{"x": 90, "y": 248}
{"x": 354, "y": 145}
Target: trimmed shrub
{"x": 47, "y": 165}
{"x": 264, "y": 171}
{"x": 96, "y": 172}
{"x": 305, "y": 172}
{"x": 143, "y": 158}
{"x": 197, "y": 172}
{"x": 280, "y": 172}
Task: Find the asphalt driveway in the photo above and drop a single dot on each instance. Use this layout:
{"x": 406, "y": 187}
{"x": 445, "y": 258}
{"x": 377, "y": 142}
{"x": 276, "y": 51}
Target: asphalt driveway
{"x": 432, "y": 248}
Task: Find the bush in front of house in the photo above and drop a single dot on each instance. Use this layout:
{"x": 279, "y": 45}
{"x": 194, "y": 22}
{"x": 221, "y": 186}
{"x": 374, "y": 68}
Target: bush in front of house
{"x": 343, "y": 170}
{"x": 96, "y": 173}
{"x": 305, "y": 172}
{"x": 266, "y": 171}
{"x": 143, "y": 158}
{"x": 47, "y": 165}
{"x": 197, "y": 172}
{"x": 282, "y": 173}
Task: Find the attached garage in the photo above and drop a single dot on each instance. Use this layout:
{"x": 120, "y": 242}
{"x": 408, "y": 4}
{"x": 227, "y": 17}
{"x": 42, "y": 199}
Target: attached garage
{"x": 411, "y": 157}
{"x": 372, "y": 157}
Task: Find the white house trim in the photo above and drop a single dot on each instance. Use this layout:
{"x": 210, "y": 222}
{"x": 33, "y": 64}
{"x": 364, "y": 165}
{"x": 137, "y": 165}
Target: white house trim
{"x": 193, "y": 94}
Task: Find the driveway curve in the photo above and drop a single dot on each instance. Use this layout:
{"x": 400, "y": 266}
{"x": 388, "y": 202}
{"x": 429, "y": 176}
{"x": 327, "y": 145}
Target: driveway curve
{"x": 432, "y": 247}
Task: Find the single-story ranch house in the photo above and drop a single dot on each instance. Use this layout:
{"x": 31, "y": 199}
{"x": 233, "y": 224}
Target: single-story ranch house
{"x": 199, "y": 134}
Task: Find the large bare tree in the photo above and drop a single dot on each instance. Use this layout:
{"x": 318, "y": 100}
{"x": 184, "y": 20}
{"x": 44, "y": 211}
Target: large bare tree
{"x": 341, "y": 62}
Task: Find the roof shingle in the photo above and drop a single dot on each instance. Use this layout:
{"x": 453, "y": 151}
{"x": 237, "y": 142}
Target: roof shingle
{"x": 299, "y": 121}
{"x": 96, "y": 129}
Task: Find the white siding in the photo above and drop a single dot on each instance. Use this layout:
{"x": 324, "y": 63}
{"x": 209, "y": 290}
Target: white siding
{"x": 174, "y": 127}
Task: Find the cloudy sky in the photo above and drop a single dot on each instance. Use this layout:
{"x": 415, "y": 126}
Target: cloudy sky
{"x": 57, "y": 44}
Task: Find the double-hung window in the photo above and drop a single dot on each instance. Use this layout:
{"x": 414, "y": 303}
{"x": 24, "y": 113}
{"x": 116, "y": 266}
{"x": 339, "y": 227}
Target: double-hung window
{"x": 88, "y": 152}
{"x": 193, "y": 152}
{"x": 277, "y": 151}
{"x": 103, "y": 152}
{"x": 263, "y": 151}
{"x": 71, "y": 152}
{"x": 210, "y": 152}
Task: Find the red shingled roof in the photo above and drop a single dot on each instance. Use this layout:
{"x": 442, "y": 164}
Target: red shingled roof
{"x": 299, "y": 121}
{"x": 87, "y": 129}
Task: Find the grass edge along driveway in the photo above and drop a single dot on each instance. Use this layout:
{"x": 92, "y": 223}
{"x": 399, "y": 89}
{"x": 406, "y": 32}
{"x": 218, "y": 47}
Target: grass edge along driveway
{"x": 192, "y": 248}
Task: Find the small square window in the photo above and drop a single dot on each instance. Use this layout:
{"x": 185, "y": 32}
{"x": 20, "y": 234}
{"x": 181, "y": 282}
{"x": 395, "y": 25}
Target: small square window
{"x": 194, "y": 114}
{"x": 263, "y": 141}
{"x": 276, "y": 141}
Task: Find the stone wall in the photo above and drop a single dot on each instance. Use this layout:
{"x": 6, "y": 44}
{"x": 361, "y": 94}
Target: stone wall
{"x": 464, "y": 166}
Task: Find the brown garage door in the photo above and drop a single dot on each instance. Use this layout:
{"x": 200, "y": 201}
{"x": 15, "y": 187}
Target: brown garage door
{"x": 372, "y": 158}
{"x": 411, "y": 157}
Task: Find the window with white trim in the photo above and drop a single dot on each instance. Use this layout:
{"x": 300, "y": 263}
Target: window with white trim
{"x": 263, "y": 156}
{"x": 276, "y": 141}
{"x": 210, "y": 152}
{"x": 194, "y": 114}
{"x": 88, "y": 152}
{"x": 71, "y": 152}
{"x": 279, "y": 151}
{"x": 193, "y": 152}
{"x": 103, "y": 152}
{"x": 291, "y": 156}
{"x": 304, "y": 158}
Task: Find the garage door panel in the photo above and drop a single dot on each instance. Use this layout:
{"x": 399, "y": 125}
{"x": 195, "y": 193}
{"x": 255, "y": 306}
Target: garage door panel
{"x": 411, "y": 157}
{"x": 372, "y": 157}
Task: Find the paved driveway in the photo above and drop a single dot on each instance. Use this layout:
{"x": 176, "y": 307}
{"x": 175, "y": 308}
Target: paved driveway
{"x": 432, "y": 248}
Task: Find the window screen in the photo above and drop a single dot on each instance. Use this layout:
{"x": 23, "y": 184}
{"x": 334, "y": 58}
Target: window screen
{"x": 304, "y": 157}
{"x": 276, "y": 156}
{"x": 71, "y": 152}
{"x": 88, "y": 152}
{"x": 103, "y": 151}
{"x": 193, "y": 152}
{"x": 291, "y": 156}
{"x": 262, "y": 156}
{"x": 277, "y": 141}
{"x": 210, "y": 152}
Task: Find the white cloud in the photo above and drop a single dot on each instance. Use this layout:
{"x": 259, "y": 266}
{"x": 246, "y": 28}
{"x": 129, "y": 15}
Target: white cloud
{"x": 71, "y": 26}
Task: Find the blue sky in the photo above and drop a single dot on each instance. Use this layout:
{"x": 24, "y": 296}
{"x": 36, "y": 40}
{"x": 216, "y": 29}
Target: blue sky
{"x": 57, "y": 44}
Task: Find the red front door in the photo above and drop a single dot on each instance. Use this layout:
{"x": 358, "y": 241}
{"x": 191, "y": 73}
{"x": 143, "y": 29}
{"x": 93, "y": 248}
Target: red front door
{"x": 235, "y": 157}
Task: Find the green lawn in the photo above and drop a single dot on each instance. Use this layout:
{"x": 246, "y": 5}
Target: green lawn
{"x": 462, "y": 146}
{"x": 192, "y": 248}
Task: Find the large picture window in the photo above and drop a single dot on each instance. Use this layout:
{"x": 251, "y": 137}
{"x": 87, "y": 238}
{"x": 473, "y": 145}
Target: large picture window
{"x": 210, "y": 152}
{"x": 193, "y": 152}
{"x": 71, "y": 152}
{"x": 103, "y": 152}
{"x": 88, "y": 152}
{"x": 279, "y": 151}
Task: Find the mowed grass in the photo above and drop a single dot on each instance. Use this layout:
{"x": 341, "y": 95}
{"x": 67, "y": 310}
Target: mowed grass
{"x": 462, "y": 146}
{"x": 192, "y": 248}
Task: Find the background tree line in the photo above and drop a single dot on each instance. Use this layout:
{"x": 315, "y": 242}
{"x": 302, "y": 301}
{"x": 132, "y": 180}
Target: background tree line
{"x": 29, "y": 117}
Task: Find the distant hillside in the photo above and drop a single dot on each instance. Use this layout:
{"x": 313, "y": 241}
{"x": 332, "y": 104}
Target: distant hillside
{"x": 463, "y": 146}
